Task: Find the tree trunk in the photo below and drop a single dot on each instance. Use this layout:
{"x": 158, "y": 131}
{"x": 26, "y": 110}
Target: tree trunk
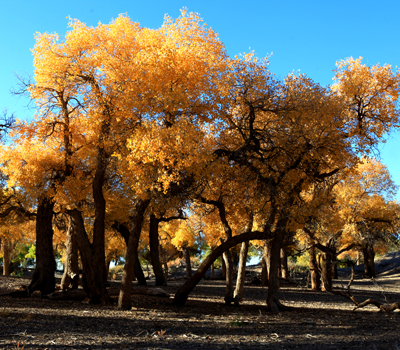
{"x": 266, "y": 257}
{"x": 124, "y": 300}
{"x": 70, "y": 278}
{"x": 369, "y": 260}
{"x": 6, "y": 256}
{"x": 325, "y": 263}
{"x": 183, "y": 292}
{"x": 284, "y": 264}
{"x": 273, "y": 302}
{"x": 334, "y": 263}
{"x": 227, "y": 256}
{"x": 155, "y": 252}
{"x": 43, "y": 277}
{"x": 138, "y": 271}
{"x": 315, "y": 276}
{"x": 186, "y": 253}
{"x": 93, "y": 274}
{"x": 238, "y": 295}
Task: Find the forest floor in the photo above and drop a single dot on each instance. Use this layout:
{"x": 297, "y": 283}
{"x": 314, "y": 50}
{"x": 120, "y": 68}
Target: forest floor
{"x": 318, "y": 320}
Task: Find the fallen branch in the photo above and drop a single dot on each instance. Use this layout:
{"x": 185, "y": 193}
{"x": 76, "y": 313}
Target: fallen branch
{"x": 386, "y": 307}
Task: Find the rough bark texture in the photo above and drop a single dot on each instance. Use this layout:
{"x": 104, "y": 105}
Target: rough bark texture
{"x": 369, "y": 260}
{"x": 43, "y": 277}
{"x": 183, "y": 292}
{"x": 70, "y": 279}
{"x": 6, "y": 256}
{"x": 138, "y": 271}
{"x": 238, "y": 294}
{"x": 274, "y": 264}
{"x": 325, "y": 262}
{"x": 188, "y": 265}
{"x": 155, "y": 252}
{"x": 94, "y": 285}
{"x": 284, "y": 264}
{"x": 124, "y": 300}
{"x": 315, "y": 276}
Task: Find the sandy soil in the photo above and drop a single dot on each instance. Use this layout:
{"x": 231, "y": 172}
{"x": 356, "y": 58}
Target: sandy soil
{"x": 318, "y": 320}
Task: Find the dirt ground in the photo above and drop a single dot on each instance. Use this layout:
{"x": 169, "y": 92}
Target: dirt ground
{"x": 318, "y": 320}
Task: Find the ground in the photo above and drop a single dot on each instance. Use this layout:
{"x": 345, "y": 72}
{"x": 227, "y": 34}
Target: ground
{"x": 318, "y": 320}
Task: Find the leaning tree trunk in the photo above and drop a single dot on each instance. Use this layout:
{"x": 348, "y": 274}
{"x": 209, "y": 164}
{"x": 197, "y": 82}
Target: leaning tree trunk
{"x": 183, "y": 292}
{"x": 43, "y": 277}
{"x": 315, "y": 276}
{"x": 238, "y": 294}
{"x": 124, "y": 300}
{"x": 155, "y": 252}
{"x": 70, "y": 278}
{"x": 6, "y": 256}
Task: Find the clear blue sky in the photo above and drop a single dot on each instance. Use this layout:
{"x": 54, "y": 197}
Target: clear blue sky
{"x": 306, "y": 35}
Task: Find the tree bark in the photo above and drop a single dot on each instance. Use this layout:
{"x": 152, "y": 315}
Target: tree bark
{"x": 124, "y": 300}
{"x": 266, "y": 256}
{"x": 138, "y": 271}
{"x": 325, "y": 263}
{"x": 284, "y": 264}
{"x": 273, "y": 302}
{"x": 93, "y": 274}
{"x": 315, "y": 276}
{"x": 238, "y": 294}
{"x": 43, "y": 277}
{"x": 183, "y": 292}
{"x": 6, "y": 256}
{"x": 70, "y": 278}
{"x": 186, "y": 253}
{"x": 369, "y": 260}
{"x": 155, "y": 252}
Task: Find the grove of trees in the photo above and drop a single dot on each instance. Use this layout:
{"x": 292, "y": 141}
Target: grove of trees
{"x": 145, "y": 138}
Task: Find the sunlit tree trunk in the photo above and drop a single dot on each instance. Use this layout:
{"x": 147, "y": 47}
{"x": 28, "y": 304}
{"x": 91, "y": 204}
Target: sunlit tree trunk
{"x": 238, "y": 294}
{"x": 70, "y": 278}
{"x": 314, "y": 273}
{"x": 284, "y": 264}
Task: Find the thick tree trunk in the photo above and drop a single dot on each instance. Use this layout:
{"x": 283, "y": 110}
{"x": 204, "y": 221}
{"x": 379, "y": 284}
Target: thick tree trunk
{"x": 315, "y": 276}
{"x": 70, "y": 278}
{"x": 183, "y": 292}
{"x": 284, "y": 264}
{"x": 155, "y": 252}
{"x": 6, "y": 256}
{"x": 369, "y": 260}
{"x": 124, "y": 300}
{"x": 238, "y": 295}
{"x": 273, "y": 302}
{"x": 325, "y": 263}
{"x": 138, "y": 271}
{"x": 93, "y": 274}
{"x": 43, "y": 277}
{"x": 186, "y": 254}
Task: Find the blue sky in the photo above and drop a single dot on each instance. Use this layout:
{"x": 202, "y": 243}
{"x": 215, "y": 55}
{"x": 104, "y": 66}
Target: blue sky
{"x": 309, "y": 36}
